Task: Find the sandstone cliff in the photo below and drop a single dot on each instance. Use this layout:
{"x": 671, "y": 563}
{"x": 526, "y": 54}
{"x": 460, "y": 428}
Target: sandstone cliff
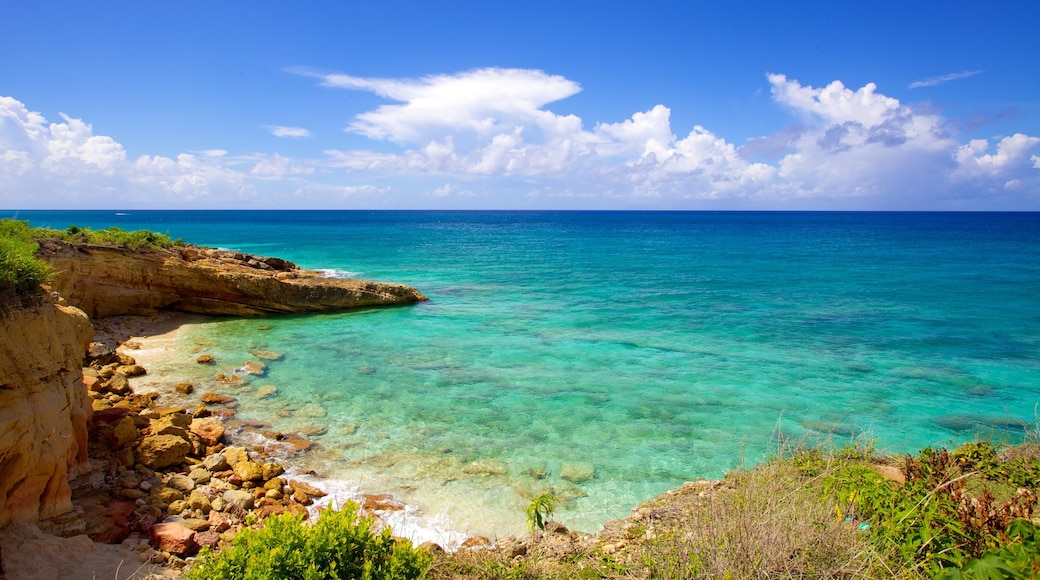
{"x": 43, "y": 409}
{"x": 107, "y": 281}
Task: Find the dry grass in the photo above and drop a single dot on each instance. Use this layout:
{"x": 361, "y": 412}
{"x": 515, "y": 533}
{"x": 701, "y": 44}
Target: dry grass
{"x": 765, "y": 523}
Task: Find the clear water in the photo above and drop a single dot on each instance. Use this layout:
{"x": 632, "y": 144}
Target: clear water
{"x": 651, "y": 348}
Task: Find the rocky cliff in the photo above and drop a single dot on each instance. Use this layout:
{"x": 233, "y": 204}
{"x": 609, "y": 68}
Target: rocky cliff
{"x": 107, "y": 281}
{"x": 44, "y": 409}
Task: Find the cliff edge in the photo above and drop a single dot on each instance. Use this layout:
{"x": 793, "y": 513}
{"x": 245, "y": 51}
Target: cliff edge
{"x": 108, "y": 281}
{"x": 44, "y": 409}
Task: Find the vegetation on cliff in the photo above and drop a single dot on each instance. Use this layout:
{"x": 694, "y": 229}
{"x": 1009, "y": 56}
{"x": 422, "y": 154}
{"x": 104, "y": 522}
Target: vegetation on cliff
{"x": 21, "y": 273}
{"x": 109, "y": 237}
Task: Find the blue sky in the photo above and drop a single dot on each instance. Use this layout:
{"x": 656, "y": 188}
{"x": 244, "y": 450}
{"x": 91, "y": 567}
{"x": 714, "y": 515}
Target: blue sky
{"x": 532, "y": 105}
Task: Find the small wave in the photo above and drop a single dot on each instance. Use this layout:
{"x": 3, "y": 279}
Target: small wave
{"x": 338, "y": 273}
{"x": 408, "y": 523}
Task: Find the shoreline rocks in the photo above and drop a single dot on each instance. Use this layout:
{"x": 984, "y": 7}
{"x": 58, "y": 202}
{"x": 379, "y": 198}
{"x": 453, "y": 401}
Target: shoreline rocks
{"x": 108, "y": 281}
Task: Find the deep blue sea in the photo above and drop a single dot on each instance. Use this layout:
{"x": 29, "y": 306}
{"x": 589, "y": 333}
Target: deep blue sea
{"x": 628, "y": 351}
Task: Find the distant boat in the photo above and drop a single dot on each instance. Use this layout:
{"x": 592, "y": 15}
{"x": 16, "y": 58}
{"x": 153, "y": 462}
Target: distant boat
{"x": 121, "y": 213}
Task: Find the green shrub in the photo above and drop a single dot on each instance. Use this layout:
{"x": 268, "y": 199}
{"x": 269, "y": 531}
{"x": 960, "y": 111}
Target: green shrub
{"x": 21, "y": 273}
{"x": 110, "y": 237}
{"x": 338, "y": 545}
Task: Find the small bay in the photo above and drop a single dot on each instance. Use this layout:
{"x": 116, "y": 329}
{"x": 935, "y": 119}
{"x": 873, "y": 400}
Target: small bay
{"x": 611, "y": 356}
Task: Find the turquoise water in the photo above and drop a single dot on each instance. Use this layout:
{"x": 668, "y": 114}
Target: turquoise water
{"x": 647, "y": 349}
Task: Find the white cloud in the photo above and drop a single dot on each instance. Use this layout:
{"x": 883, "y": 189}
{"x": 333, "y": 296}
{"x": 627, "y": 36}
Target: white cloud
{"x": 932, "y": 81}
{"x": 291, "y": 132}
{"x": 485, "y": 102}
{"x": 278, "y": 167}
{"x": 493, "y": 131}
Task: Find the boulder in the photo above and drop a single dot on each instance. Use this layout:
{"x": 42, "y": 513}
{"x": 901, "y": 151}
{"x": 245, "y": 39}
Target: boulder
{"x": 240, "y": 498}
{"x": 209, "y": 430}
{"x": 577, "y": 472}
{"x": 174, "y": 538}
{"x": 248, "y": 470}
{"x": 217, "y": 399}
{"x": 159, "y": 451}
{"x": 216, "y": 462}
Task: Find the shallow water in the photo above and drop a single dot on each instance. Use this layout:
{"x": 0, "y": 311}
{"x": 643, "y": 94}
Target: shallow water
{"x": 638, "y": 350}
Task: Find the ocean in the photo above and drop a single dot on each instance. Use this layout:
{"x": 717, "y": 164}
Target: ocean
{"x": 610, "y": 356}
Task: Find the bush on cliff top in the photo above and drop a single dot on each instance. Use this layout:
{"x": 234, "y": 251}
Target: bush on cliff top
{"x": 110, "y": 237}
{"x": 21, "y": 272}
{"x": 338, "y": 545}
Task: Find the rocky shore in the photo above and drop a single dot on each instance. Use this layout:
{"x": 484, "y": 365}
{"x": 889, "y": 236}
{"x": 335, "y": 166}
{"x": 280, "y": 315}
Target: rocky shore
{"x": 99, "y": 480}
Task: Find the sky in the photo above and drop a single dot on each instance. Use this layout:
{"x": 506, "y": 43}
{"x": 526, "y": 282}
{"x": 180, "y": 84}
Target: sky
{"x": 669, "y": 105}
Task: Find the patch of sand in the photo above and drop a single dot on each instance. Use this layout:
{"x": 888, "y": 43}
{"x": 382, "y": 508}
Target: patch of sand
{"x": 30, "y": 554}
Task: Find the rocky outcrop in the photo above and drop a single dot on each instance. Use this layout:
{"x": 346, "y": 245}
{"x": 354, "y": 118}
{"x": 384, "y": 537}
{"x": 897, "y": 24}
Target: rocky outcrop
{"x": 107, "y": 281}
{"x": 44, "y": 409}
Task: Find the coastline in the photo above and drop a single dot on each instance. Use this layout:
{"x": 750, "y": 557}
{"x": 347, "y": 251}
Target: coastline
{"x": 161, "y": 343}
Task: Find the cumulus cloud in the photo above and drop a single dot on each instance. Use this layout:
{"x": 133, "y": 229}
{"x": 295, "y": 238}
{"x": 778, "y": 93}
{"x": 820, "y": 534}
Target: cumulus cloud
{"x": 68, "y": 163}
{"x": 494, "y": 130}
{"x": 290, "y": 132}
{"x": 486, "y": 102}
{"x": 932, "y": 81}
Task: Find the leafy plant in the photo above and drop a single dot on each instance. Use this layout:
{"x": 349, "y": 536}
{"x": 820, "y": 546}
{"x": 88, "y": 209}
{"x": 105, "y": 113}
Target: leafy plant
{"x": 110, "y": 237}
{"x": 340, "y": 545}
{"x": 540, "y": 509}
{"x": 21, "y": 272}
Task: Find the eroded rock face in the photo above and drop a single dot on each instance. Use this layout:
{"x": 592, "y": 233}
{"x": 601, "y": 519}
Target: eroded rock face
{"x": 107, "y": 281}
{"x": 44, "y": 409}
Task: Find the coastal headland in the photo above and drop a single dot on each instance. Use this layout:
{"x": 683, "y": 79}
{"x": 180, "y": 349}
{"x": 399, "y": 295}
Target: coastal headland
{"x": 82, "y": 453}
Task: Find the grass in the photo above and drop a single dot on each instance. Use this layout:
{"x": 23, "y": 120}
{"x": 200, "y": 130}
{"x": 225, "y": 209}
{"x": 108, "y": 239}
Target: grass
{"x": 22, "y": 273}
{"x": 109, "y": 237}
{"x": 813, "y": 511}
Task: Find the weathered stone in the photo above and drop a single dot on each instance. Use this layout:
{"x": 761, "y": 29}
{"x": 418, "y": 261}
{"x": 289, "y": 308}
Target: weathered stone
{"x": 315, "y": 430}
{"x": 485, "y": 467}
{"x": 216, "y": 399}
{"x": 131, "y": 370}
{"x": 381, "y": 502}
{"x": 198, "y": 501}
{"x": 207, "y": 539}
{"x": 313, "y": 410}
{"x": 184, "y": 387}
{"x": 255, "y": 368}
{"x": 174, "y": 538}
{"x": 270, "y": 469}
{"x": 118, "y": 385}
{"x": 177, "y": 506}
{"x": 217, "y": 462}
{"x": 159, "y": 451}
{"x": 195, "y": 524}
{"x": 304, "y": 487}
{"x": 301, "y": 497}
{"x": 200, "y": 475}
{"x": 165, "y": 494}
{"x": 209, "y": 430}
{"x": 206, "y": 359}
{"x": 577, "y": 472}
{"x": 248, "y": 470}
{"x": 235, "y": 454}
{"x": 181, "y": 482}
{"x": 274, "y": 494}
{"x": 125, "y": 432}
{"x": 266, "y": 391}
{"x": 240, "y": 498}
